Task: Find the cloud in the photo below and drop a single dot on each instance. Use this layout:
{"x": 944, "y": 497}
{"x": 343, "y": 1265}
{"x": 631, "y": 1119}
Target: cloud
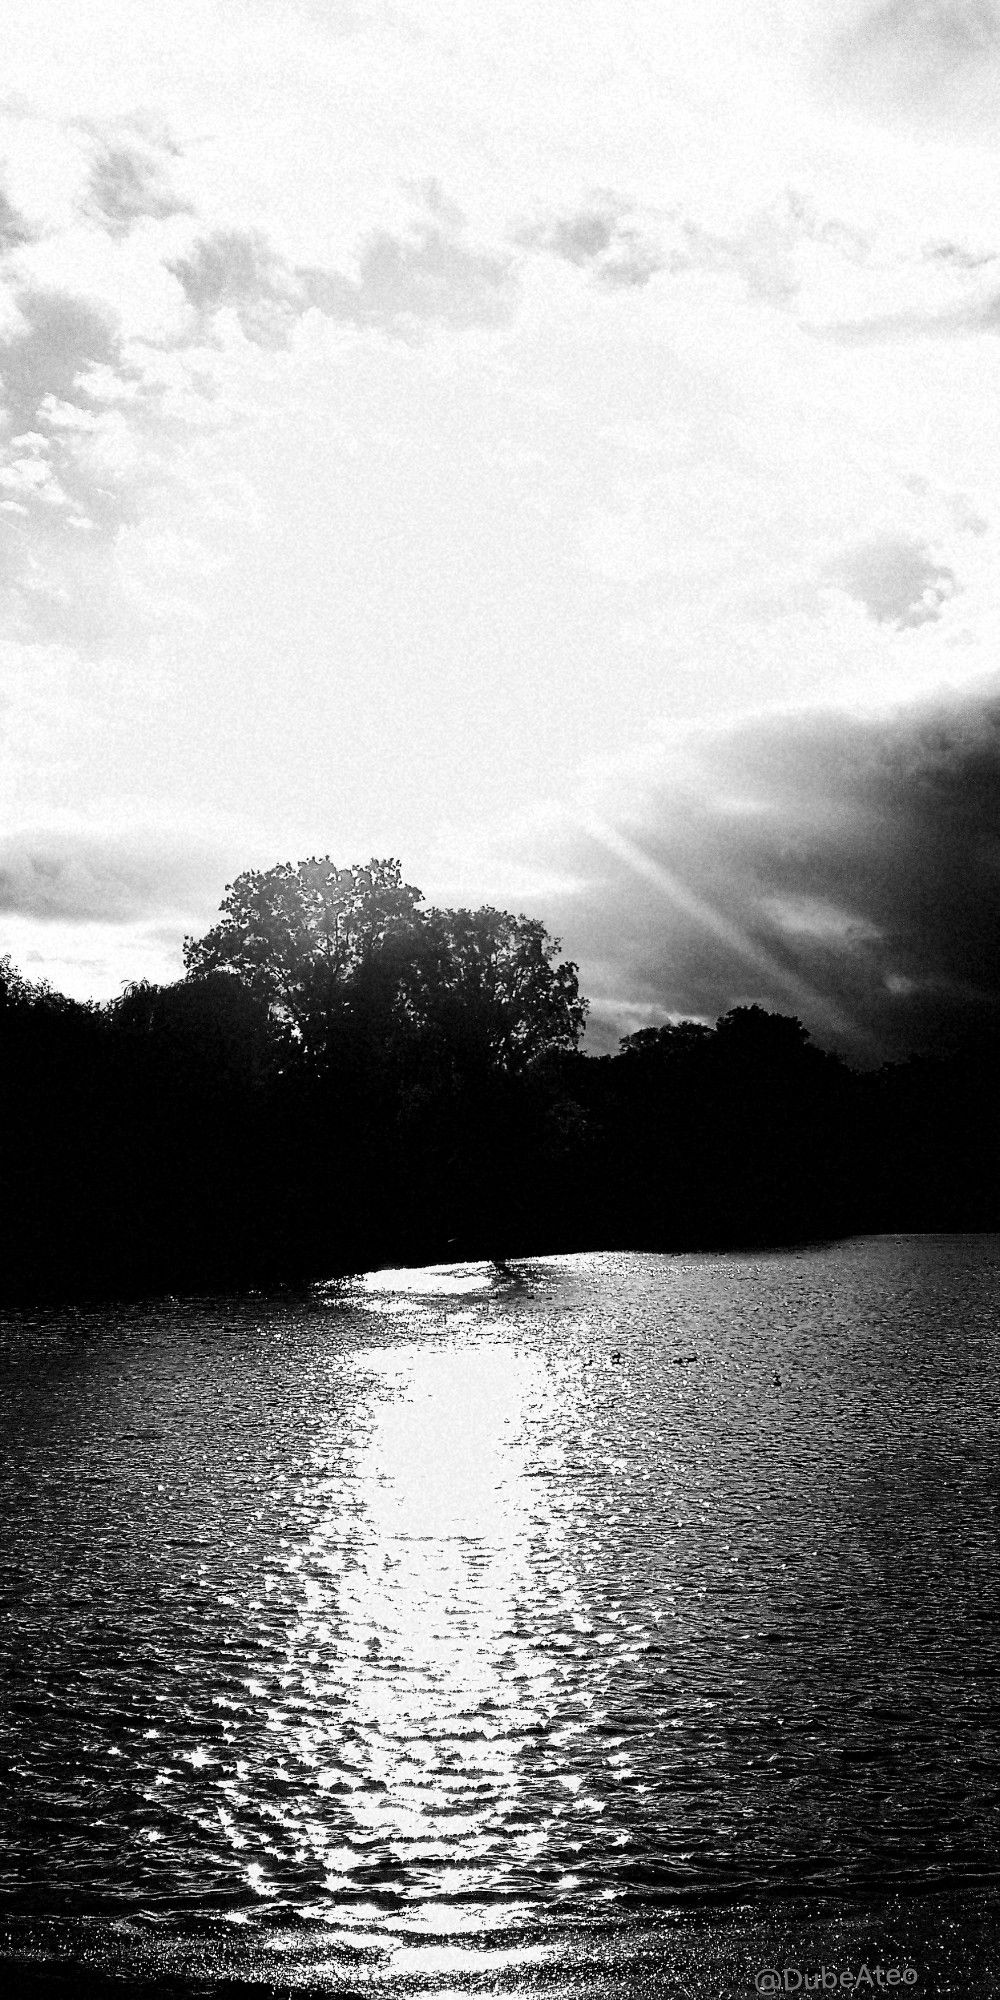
{"x": 919, "y": 40}
{"x": 14, "y": 231}
{"x": 429, "y": 274}
{"x": 896, "y": 579}
{"x": 424, "y": 275}
{"x": 969, "y": 315}
{"x": 934, "y": 60}
{"x": 81, "y": 443}
{"x": 54, "y": 499}
{"x": 820, "y": 863}
{"x": 239, "y": 270}
{"x": 597, "y": 236}
{"x": 57, "y": 338}
{"x": 850, "y": 274}
{"x": 58, "y": 877}
{"x": 129, "y": 184}
{"x": 122, "y": 347}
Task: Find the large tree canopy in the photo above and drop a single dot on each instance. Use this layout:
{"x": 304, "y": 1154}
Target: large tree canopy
{"x": 331, "y": 947}
{"x": 311, "y": 938}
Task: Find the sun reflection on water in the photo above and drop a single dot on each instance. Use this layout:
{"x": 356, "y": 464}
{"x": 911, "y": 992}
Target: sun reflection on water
{"x": 424, "y": 1680}
{"x": 428, "y": 1280}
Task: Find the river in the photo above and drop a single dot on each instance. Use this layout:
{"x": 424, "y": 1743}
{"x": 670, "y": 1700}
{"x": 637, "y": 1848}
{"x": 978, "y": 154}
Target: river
{"x": 611, "y": 1615}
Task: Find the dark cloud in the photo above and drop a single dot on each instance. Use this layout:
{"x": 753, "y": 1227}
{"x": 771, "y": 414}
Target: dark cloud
{"x": 128, "y": 183}
{"x": 912, "y": 42}
{"x": 598, "y": 236}
{"x": 582, "y": 238}
{"x": 895, "y": 578}
{"x": 936, "y": 60}
{"x": 14, "y": 230}
{"x": 56, "y": 877}
{"x": 822, "y": 864}
{"x": 59, "y": 336}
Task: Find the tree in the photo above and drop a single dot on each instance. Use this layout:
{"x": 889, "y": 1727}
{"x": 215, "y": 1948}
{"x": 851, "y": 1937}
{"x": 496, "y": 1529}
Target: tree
{"x": 214, "y": 1027}
{"x": 345, "y": 957}
{"x": 16, "y": 992}
{"x": 24, "y": 997}
{"x": 489, "y": 990}
{"x": 757, "y": 1040}
{"x": 317, "y": 942}
{"x": 671, "y": 1042}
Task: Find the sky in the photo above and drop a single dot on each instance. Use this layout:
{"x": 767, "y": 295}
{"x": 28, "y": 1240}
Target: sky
{"x": 554, "y": 444}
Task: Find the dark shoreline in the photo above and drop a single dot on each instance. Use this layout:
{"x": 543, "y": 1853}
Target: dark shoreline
{"x": 949, "y": 1937}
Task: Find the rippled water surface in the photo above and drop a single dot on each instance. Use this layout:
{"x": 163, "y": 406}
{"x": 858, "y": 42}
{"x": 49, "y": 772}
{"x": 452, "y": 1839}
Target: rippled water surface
{"x": 464, "y": 1601}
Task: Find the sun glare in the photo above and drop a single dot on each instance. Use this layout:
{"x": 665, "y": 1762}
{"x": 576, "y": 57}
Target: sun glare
{"x": 410, "y": 1638}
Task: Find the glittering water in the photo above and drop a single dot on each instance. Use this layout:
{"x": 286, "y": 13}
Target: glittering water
{"x": 456, "y": 1602}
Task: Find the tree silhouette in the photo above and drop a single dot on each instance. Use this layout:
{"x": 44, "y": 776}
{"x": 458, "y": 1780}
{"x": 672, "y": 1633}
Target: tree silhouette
{"x": 318, "y": 943}
{"x": 344, "y": 956}
{"x": 347, "y": 1078}
{"x": 490, "y": 991}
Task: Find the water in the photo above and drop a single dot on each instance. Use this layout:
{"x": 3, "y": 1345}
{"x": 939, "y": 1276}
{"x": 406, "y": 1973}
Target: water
{"x": 460, "y": 1624}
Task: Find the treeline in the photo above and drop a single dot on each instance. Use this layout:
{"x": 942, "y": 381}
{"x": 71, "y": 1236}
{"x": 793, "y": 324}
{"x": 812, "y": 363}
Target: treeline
{"x": 747, "y": 1133}
{"x": 346, "y": 1078}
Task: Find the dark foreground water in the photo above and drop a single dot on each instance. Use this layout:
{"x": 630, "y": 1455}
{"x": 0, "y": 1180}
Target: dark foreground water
{"x": 624, "y": 1619}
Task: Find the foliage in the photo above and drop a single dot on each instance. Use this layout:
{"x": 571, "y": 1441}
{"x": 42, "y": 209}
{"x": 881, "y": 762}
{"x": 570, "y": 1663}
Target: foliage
{"x": 31, "y": 997}
{"x": 675, "y": 1039}
{"x": 489, "y": 989}
{"x": 313, "y": 940}
{"x": 214, "y": 1023}
{"x": 334, "y": 951}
